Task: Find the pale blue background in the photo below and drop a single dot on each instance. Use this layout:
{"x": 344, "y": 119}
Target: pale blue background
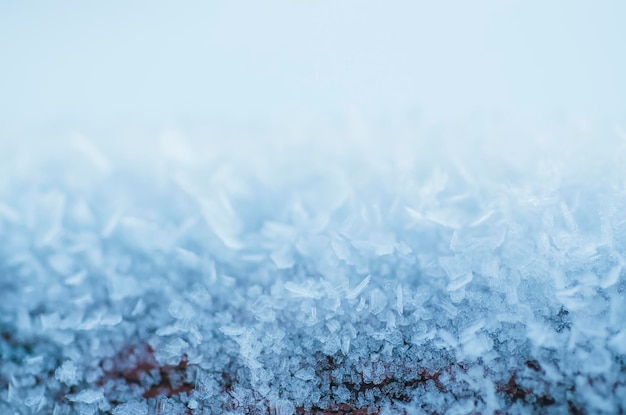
{"x": 88, "y": 63}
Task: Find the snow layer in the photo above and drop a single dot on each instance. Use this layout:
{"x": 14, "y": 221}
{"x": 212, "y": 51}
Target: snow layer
{"x": 437, "y": 273}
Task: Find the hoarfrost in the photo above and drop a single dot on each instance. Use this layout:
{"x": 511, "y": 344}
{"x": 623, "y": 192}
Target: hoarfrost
{"x": 231, "y": 287}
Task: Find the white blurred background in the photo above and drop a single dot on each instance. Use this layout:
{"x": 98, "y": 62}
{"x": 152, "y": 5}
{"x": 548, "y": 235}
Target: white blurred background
{"x": 106, "y": 67}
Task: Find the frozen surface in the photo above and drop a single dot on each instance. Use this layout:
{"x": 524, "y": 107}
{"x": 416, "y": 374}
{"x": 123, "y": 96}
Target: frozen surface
{"x": 432, "y": 274}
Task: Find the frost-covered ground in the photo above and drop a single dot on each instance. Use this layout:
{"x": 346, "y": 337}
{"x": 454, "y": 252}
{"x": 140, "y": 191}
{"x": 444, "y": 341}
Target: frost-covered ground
{"x": 442, "y": 270}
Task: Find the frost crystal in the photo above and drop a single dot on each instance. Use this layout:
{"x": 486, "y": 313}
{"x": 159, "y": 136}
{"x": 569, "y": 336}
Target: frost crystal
{"x": 67, "y": 373}
{"x": 88, "y": 396}
{"x": 398, "y": 278}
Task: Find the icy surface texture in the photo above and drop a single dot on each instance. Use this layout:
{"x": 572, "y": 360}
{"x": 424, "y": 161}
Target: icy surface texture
{"x": 470, "y": 276}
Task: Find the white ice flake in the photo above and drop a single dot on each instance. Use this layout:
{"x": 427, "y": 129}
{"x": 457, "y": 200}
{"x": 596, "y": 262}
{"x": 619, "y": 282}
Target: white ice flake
{"x": 88, "y": 396}
{"x": 356, "y": 291}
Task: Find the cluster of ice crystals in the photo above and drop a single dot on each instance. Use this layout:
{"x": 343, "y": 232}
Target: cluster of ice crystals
{"x": 256, "y": 281}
